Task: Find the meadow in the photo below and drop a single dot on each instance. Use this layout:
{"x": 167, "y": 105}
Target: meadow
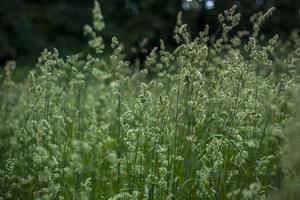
{"x": 212, "y": 119}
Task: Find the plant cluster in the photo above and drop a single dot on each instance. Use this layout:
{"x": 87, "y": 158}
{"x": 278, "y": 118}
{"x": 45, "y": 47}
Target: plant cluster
{"x": 205, "y": 121}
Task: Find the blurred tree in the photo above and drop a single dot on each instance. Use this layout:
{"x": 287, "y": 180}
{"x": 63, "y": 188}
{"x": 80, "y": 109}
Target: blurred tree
{"x": 28, "y": 26}
{"x": 132, "y": 21}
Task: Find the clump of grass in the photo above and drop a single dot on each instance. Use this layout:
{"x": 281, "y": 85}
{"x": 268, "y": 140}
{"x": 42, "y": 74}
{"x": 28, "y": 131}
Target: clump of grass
{"x": 205, "y": 121}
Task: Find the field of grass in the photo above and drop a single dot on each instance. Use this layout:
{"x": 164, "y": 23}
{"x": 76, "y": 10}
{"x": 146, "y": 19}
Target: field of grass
{"x": 209, "y": 120}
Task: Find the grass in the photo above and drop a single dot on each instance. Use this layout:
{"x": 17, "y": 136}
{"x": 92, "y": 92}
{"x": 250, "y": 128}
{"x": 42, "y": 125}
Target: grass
{"x": 206, "y": 121}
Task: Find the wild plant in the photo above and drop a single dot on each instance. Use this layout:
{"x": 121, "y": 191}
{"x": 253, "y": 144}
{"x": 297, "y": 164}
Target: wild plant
{"x": 204, "y": 121}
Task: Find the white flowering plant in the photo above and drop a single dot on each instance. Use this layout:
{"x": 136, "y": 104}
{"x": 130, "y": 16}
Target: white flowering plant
{"x": 214, "y": 119}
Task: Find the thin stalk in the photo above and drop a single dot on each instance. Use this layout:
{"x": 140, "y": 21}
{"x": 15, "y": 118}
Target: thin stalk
{"x": 119, "y": 141}
{"x": 175, "y": 138}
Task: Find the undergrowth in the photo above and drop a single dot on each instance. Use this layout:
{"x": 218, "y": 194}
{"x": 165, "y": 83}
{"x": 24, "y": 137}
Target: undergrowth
{"x": 214, "y": 119}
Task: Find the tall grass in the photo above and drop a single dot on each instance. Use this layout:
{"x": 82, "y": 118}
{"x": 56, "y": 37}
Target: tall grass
{"x": 208, "y": 120}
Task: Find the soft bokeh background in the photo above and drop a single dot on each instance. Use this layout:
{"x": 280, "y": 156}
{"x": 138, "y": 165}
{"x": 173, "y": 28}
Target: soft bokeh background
{"x": 29, "y": 26}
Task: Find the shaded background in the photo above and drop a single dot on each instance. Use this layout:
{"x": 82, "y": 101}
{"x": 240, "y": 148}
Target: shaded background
{"x": 29, "y": 26}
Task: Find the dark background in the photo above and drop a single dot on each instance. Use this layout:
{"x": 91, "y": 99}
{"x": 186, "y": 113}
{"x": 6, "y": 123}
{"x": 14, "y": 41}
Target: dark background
{"x": 29, "y": 26}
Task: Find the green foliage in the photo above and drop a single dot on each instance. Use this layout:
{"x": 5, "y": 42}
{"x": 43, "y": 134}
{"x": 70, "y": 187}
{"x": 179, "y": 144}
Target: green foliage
{"x": 200, "y": 122}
